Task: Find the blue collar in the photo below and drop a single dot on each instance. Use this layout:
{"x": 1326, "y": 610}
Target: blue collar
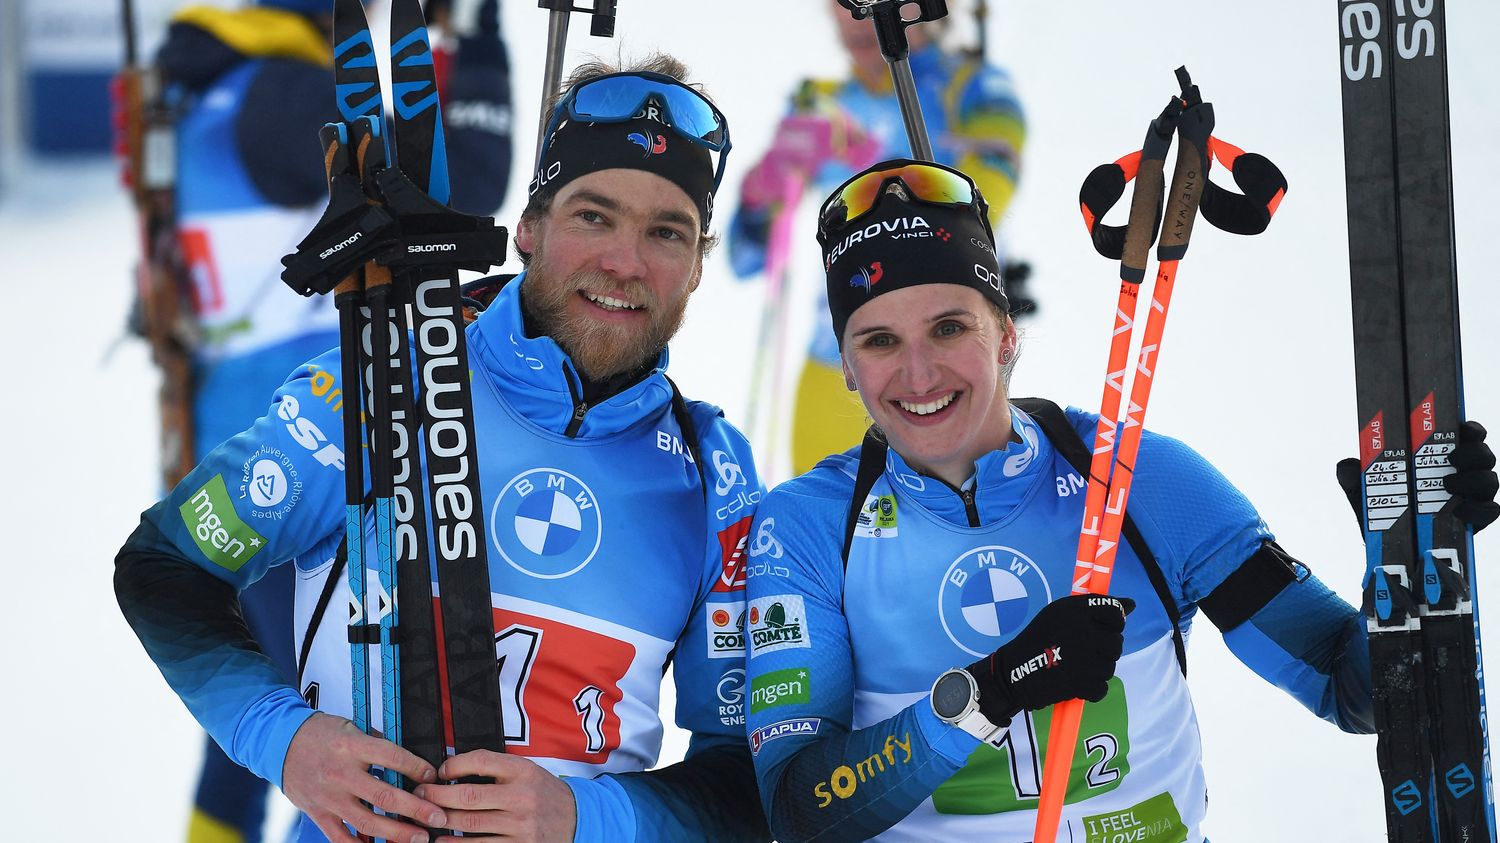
{"x": 1003, "y": 479}
{"x": 537, "y": 380}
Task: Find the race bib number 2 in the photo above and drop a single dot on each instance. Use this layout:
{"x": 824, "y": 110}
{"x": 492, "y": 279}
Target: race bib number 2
{"x": 1007, "y": 776}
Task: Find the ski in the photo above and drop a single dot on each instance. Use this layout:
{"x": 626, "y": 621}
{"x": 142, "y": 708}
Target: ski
{"x": 386, "y": 241}
{"x": 1434, "y": 401}
{"x": 1418, "y": 603}
{"x": 466, "y": 611}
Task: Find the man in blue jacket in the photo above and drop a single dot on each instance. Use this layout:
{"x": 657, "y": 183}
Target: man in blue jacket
{"x": 616, "y": 513}
{"x": 249, "y": 88}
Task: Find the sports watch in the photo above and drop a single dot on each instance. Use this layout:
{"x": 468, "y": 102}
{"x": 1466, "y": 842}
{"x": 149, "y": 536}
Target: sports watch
{"x": 955, "y": 700}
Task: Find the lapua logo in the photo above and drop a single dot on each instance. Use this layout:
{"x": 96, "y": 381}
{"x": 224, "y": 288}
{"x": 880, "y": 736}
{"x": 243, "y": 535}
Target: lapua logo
{"x": 888, "y": 228}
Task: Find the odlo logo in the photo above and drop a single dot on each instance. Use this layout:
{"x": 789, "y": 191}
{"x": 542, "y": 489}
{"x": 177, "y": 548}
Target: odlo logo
{"x": 846, "y": 780}
{"x": 542, "y": 177}
{"x": 776, "y": 623}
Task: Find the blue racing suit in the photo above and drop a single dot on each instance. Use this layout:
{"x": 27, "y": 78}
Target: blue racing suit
{"x": 845, "y": 740}
{"x": 610, "y": 553}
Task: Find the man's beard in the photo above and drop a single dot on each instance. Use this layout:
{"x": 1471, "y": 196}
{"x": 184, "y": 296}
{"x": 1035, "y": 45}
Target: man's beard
{"x": 598, "y": 349}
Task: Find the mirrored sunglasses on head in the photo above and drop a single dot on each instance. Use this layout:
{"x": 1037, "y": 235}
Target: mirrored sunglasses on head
{"x": 619, "y": 97}
{"x": 925, "y": 182}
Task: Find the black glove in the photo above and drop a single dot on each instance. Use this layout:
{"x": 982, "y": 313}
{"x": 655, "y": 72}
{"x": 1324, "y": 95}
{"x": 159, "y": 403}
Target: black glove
{"x": 1068, "y": 651}
{"x": 1472, "y": 484}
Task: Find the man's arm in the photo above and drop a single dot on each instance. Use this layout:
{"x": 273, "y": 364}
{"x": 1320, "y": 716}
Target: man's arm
{"x": 189, "y": 621}
{"x": 264, "y": 496}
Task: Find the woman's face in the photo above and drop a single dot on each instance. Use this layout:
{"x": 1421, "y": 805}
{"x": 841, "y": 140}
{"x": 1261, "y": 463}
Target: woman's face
{"x": 927, "y": 361}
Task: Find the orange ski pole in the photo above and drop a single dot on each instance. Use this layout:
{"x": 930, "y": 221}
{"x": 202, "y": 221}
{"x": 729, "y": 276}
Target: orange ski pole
{"x": 1104, "y": 509}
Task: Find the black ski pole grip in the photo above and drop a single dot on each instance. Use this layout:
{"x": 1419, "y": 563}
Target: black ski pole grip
{"x": 1194, "y": 128}
{"x": 1262, "y": 187}
{"x": 891, "y": 20}
{"x": 602, "y": 24}
{"x": 1104, "y": 186}
{"x": 351, "y": 230}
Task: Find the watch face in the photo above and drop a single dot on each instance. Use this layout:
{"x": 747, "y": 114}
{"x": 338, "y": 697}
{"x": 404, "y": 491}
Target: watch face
{"x": 950, "y": 696}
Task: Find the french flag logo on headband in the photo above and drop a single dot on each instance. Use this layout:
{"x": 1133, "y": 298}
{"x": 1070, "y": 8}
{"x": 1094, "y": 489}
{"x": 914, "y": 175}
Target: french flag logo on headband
{"x": 868, "y": 278}
{"x": 653, "y": 146}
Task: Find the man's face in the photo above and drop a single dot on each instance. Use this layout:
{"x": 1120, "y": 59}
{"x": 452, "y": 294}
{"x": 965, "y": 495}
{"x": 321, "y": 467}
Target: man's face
{"x": 612, "y": 265}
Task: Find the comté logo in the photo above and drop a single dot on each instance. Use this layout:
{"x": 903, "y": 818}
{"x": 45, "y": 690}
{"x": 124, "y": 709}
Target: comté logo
{"x": 776, "y": 623}
{"x": 732, "y": 556}
{"x": 726, "y": 631}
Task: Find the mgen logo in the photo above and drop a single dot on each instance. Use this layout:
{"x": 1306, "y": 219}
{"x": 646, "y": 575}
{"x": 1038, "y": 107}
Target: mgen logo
{"x": 216, "y": 528}
{"x": 732, "y": 556}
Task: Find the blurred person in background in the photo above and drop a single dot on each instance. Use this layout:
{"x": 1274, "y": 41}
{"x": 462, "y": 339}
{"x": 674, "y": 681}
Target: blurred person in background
{"x": 246, "y": 91}
{"x": 837, "y": 127}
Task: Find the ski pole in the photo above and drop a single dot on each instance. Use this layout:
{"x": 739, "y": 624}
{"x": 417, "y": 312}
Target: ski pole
{"x": 890, "y": 29}
{"x": 1104, "y": 514}
{"x": 602, "y": 25}
{"x": 348, "y": 296}
{"x": 773, "y": 315}
{"x": 981, "y": 22}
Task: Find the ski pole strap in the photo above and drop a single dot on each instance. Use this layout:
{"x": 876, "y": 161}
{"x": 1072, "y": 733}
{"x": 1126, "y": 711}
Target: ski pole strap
{"x": 335, "y": 573}
{"x": 1262, "y": 187}
{"x": 350, "y": 231}
{"x": 1103, "y": 187}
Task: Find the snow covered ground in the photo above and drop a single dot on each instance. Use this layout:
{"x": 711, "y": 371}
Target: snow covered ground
{"x": 1256, "y": 371}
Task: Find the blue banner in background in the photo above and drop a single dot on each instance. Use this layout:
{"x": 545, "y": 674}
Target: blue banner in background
{"x": 72, "y": 48}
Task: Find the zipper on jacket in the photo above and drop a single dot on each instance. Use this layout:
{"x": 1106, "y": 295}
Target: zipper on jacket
{"x": 970, "y": 507}
{"x": 579, "y": 410}
{"x": 580, "y": 406}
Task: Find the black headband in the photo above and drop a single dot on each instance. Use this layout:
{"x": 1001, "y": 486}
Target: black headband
{"x": 902, "y": 244}
{"x": 577, "y": 149}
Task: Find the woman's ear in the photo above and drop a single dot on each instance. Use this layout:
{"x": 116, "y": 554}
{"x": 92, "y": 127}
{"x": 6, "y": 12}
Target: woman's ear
{"x": 1009, "y": 341}
{"x": 848, "y": 376}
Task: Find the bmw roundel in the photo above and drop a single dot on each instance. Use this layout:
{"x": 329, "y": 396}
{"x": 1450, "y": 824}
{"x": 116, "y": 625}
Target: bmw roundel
{"x": 988, "y": 595}
{"x": 546, "y": 523}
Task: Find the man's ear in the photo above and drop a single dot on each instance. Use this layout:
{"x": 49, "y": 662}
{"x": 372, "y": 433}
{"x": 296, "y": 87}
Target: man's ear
{"x": 525, "y": 238}
{"x": 697, "y": 276}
